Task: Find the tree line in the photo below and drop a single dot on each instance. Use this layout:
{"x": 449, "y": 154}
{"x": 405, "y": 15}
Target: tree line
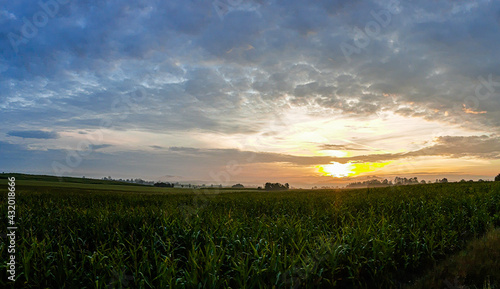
{"x": 398, "y": 181}
{"x": 275, "y": 187}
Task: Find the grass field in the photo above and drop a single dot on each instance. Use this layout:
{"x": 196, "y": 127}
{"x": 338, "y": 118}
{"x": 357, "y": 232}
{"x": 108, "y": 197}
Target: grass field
{"x": 74, "y": 235}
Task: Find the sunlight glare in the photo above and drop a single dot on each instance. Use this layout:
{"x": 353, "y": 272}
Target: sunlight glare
{"x": 339, "y": 170}
{"x": 336, "y": 170}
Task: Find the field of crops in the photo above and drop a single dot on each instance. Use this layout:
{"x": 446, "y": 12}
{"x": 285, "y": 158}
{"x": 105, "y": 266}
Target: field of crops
{"x": 73, "y": 237}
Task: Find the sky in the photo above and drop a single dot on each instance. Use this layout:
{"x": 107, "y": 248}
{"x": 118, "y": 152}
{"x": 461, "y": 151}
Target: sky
{"x": 313, "y": 93}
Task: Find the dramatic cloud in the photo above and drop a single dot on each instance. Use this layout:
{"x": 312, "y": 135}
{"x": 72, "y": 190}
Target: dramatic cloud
{"x": 189, "y": 74}
{"x": 483, "y": 147}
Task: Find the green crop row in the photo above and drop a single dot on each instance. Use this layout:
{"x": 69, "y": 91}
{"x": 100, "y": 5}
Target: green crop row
{"x": 366, "y": 238}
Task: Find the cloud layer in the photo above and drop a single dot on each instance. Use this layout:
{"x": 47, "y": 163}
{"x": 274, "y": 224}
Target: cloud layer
{"x": 181, "y": 69}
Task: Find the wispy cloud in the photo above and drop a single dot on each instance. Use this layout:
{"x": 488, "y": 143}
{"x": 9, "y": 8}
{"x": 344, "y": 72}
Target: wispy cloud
{"x": 483, "y": 147}
{"x": 37, "y": 134}
{"x": 342, "y": 147}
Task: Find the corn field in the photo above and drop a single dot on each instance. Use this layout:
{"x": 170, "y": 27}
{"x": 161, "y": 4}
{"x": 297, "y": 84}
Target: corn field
{"x": 365, "y": 238}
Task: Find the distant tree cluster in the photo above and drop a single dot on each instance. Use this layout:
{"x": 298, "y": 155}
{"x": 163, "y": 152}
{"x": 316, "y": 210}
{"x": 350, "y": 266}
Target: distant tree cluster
{"x": 442, "y": 181}
{"x": 405, "y": 181}
{"x": 471, "y": 181}
{"x": 370, "y": 183}
{"x": 276, "y": 187}
{"x": 398, "y": 181}
{"x": 237, "y": 186}
{"x": 164, "y": 185}
{"x": 134, "y": 181}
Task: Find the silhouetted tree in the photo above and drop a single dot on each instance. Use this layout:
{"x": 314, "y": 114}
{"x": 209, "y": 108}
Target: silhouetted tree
{"x": 276, "y": 187}
{"x": 370, "y": 184}
{"x": 497, "y": 178}
{"x": 237, "y": 186}
{"x": 163, "y": 185}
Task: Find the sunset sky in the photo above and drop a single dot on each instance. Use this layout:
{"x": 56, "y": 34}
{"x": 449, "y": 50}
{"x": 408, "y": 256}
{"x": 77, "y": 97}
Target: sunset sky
{"x": 313, "y": 93}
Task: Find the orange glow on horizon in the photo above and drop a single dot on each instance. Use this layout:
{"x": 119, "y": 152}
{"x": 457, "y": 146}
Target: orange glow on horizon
{"x": 339, "y": 170}
{"x": 336, "y": 170}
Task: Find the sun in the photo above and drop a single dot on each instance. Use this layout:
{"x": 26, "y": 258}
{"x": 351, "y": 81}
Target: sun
{"x": 337, "y": 170}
